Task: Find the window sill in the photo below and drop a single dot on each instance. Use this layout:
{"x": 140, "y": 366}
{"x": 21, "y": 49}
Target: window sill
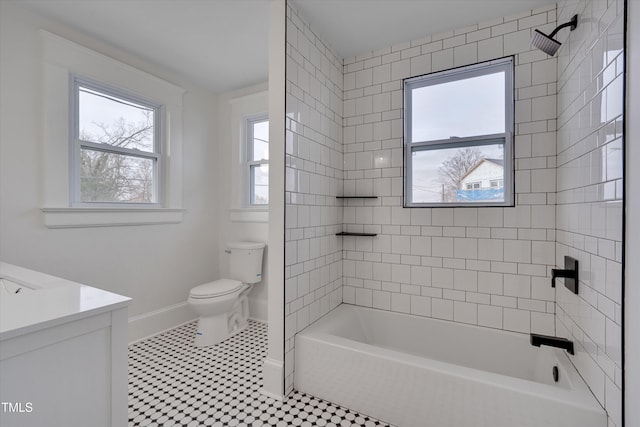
{"x": 249, "y": 214}
{"x": 109, "y": 217}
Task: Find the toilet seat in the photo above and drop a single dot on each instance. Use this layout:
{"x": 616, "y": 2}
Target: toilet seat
{"x": 216, "y": 288}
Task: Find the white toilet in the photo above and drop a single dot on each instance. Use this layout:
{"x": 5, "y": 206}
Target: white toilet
{"x": 222, "y": 304}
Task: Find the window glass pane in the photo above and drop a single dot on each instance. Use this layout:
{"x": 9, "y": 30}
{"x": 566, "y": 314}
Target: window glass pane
{"x": 468, "y": 107}
{"x": 106, "y": 119}
{"x": 458, "y": 174}
{"x": 260, "y": 184}
{"x": 115, "y": 178}
{"x": 260, "y": 141}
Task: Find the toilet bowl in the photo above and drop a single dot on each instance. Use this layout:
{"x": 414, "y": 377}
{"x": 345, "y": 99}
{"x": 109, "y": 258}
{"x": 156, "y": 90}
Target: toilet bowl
{"x": 222, "y": 305}
{"x": 220, "y": 310}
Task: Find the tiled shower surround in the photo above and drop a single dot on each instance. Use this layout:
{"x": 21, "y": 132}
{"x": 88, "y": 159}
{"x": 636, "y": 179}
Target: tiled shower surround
{"x": 482, "y": 266}
{"x": 313, "y": 253}
{"x": 589, "y": 196}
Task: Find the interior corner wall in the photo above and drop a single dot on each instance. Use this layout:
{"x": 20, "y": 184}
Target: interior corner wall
{"x": 481, "y": 266}
{"x": 236, "y": 222}
{"x": 589, "y": 199}
{"x": 632, "y": 231}
{"x": 314, "y": 165}
{"x": 156, "y": 265}
{"x": 273, "y": 367}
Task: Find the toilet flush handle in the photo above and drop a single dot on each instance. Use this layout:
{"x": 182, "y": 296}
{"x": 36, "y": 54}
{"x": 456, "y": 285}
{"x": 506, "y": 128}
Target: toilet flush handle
{"x": 227, "y": 251}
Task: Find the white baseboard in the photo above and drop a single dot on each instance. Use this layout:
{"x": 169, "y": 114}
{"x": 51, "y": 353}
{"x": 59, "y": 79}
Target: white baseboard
{"x": 154, "y": 322}
{"x": 273, "y": 377}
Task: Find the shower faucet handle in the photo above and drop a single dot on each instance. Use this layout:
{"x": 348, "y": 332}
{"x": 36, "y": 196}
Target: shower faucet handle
{"x": 566, "y": 274}
{"x": 569, "y": 273}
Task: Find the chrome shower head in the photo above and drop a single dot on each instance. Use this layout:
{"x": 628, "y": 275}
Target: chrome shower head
{"x": 547, "y": 43}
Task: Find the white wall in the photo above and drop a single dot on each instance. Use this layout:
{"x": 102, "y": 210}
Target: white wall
{"x": 632, "y": 236}
{"x": 484, "y": 173}
{"x": 273, "y": 369}
{"x": 589, "y": 200}
{"x": 237, "y": 222}
{"x": 481, "y": 266}
{"x": 155, "y": 265}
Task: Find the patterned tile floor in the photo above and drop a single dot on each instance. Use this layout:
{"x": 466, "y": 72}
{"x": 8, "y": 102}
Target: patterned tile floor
{"x": 173, "y": 383}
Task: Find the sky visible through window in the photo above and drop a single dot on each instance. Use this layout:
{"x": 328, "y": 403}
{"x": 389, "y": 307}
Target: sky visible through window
{"x": 261, "y": 140}
{"x": 98, "y": 112}
{"x": 260, "y": 173}
{"x": 457, "y": 109}
{"x": 461, "y": 108}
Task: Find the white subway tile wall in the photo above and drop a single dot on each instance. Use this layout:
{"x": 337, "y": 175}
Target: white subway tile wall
{"x": 481, "y": 266}
{"x": 314, "y": 172}
{"x": 589, "y": 196}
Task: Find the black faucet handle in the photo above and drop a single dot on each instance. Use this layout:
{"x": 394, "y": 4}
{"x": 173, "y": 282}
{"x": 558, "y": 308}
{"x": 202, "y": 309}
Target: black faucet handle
{"x": 556, "y": 272}
{"x": 570, "y": 273}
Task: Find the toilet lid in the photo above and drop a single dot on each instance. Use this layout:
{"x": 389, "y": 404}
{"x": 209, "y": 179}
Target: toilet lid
{"x": 216, "y": 288}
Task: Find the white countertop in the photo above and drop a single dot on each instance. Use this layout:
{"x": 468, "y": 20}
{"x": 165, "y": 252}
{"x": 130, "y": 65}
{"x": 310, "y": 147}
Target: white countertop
{"x": 47, "y": 301}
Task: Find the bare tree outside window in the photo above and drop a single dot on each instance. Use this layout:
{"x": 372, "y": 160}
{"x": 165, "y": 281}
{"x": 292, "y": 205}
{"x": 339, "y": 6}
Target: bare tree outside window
{"x": 117, "y": 154}
{"x": 112, "y": 177}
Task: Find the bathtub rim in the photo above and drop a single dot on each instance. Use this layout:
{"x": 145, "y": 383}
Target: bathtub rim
{"x": 577, "y": 394}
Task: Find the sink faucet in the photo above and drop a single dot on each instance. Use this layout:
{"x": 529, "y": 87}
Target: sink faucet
{"x": 538, "y": 340}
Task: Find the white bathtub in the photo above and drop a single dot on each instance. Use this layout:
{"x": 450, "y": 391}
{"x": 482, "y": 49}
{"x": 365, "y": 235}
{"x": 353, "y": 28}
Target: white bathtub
{"x": 415, "y": 371}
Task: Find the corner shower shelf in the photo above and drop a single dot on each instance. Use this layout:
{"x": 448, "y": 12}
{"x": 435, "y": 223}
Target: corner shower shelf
{"x": 356, "y": 197}
{"x": 345, "y": 233}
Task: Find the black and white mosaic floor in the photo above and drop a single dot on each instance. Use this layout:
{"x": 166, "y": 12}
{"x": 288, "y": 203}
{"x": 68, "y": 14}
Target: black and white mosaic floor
{"x": 173, "y": 383}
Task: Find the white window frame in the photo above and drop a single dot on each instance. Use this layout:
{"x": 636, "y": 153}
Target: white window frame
{"x": 245, "y": 104}
{"x": 250, "y": 163}
{"x": 506, "y": 138}
{"x": 76, "y": 144}
{"x": 63, "y": 58}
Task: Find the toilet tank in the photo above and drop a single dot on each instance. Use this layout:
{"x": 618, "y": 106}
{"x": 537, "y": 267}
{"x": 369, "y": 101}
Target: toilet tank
{"x": 245, "y": 261}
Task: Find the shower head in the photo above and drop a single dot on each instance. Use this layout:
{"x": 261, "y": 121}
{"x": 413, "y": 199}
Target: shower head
{"x": 547, "y": 43}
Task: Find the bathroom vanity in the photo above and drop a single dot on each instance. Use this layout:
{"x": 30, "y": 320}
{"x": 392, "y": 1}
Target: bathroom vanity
{"x": 63, "y": 352}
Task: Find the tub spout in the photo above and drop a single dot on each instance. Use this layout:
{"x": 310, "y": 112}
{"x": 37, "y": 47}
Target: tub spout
{"x": 538, "y": 340}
